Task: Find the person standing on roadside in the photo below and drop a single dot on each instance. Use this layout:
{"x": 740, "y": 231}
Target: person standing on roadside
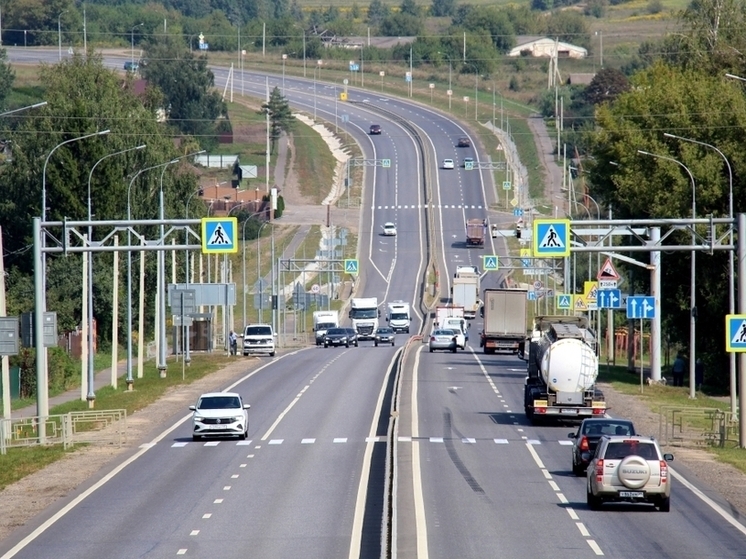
{"x": 233, "y": 340}
{"x": 678, "y": 370}
{"x": 699, "y": 374}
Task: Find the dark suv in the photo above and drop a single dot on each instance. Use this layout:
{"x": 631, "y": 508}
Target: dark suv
{"x": 375, "y": 129}
{"x": 464, "y": 142}
{"x": 585, "y": 440}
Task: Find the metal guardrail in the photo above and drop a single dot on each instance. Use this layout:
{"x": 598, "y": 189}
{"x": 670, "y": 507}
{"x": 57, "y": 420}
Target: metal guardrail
{"x": 697, "y": 427}
{"x": 103, "y": 427}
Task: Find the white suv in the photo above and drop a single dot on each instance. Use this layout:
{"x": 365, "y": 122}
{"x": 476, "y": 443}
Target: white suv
{"x": 629, "y": 468}
{"x": 259, "y": 338}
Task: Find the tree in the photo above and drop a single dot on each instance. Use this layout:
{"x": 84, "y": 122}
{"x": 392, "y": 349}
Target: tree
{"x": 186, "y": 83}
{"x": 643, "y": 186}
{"x": 83, "y": 96}
{"x": 409, "y": 7}
{"x": 280, "y": 116}
{"x": 441, "y": 8}
{"x": 496, "y": 23}
{"x": 605, "y": 86}
{"x": 377, "y": 12}
{"x": 568, "y": 26}
{"x": 401, "y": 25}
{"x": 7, "y": 77}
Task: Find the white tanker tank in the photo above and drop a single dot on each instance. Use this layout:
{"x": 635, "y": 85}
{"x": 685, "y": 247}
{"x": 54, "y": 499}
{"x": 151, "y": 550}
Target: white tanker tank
{"x": 562, "y": 370}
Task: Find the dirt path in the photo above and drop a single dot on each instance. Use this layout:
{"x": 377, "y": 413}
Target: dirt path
{"x": 552, "y": 170}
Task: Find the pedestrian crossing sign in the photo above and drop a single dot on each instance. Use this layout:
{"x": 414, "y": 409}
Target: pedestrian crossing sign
{"x": 351, "y": 266}
{"x": 564, "y": 301}
{"x": 219, "y": 235}
{"x": 552, "y": 237}
{"x": 735, "y": 333}
{"x": 491, "y": 262}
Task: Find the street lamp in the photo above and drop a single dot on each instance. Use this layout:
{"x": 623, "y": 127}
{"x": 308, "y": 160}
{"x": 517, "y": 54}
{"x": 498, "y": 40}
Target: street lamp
{"x": 284, "y": 58}
{"x": 731, "y": 266}
{"x": 476, "y": 89}
{"x": 692, "y": 292}
{"x": 129, "y": 277}
{"x": 318, "y": 66}
{"x": 162, "y": 274}
{"x": 243, "y": 238}
{"x": 59, "y": 33}
{"x": 132, "y": 44}
{"x": 91, "y": 396}
{"x": 450, "y": 71}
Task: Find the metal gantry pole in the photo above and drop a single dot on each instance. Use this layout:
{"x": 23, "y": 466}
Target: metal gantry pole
{"x": 741, "y": 310}
{"x": 655, "y": 323}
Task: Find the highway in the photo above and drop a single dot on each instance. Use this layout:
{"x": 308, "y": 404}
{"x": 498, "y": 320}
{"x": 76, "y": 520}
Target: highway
{"x": 472, "y": 477}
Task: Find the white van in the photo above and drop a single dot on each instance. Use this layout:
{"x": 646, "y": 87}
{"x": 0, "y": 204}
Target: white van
{"x": 259, "y": 338}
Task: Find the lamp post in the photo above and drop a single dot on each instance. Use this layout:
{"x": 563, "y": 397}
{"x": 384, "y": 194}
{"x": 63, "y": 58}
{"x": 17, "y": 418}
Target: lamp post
{"x": 692, "y": 291}
{"x": 91, "y": 396}
{"x": 132, "y": 43}
{"x": 59, "y": 33}
{"x": 162, "y": 273}
{"x": 476, "y": 89}
{"x": 318, "y": 66}
{"x": 243, "y": 238}
{"x": 731, "y": 265}
{"x": 284, "y": 58}
{"x": 450, "y": 71}
{"x": 129, "y": 379}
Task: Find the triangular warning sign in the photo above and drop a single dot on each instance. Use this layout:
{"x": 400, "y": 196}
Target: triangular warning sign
{"x": 219, "y": 236}
{"x": 580, "y": 304}
{"x": 607, "y": 271}
{"x": 551, "y": 239}
{"x": 739, "y": 334}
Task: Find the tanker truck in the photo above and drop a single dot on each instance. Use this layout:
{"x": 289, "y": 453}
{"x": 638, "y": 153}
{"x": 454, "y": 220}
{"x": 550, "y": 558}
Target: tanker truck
{"x": 562, "y": 370}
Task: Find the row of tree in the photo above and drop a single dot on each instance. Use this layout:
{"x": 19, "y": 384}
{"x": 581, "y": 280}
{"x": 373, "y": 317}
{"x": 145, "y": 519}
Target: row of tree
{"x": 84, "y": 97}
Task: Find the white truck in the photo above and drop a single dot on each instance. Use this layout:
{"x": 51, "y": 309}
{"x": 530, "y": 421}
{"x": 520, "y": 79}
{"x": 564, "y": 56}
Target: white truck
{"x": 504, "y": 312}
{"x": 364, "y": 315}
{"x": 562, "y": 370}
{"x": 465, "y": 290}
{"x": 322, "y": 321}
{"x": 452, "y": 318}
{"x": 398, "y": 316}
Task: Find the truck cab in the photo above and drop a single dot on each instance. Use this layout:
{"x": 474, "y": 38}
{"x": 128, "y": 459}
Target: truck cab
{"x": 398, "y": 316}
{"x": 364, "y": 314}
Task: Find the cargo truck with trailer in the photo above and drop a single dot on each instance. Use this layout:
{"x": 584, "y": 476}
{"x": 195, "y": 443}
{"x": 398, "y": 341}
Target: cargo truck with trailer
{"x": 505, "y": 327}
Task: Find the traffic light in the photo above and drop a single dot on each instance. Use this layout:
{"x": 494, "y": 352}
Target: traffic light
{"x": 517, "y": 231}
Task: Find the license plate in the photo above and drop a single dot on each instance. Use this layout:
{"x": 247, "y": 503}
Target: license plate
{"x": 632, "y": 494}
{"x": 218, "y": 427}
{"x": 569, "y": 412}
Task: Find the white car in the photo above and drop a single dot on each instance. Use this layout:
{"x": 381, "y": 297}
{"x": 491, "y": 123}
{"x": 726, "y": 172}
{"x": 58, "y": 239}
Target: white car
{"x": 449, "y": 164}
{"x": 220, "y": 414}
{"x": 259, "y": 338}
{"x": 389, "y": 229}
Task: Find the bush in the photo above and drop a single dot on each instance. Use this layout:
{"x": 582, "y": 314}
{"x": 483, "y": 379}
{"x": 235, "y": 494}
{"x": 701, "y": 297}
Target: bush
{"x": 280, "y": 207}
{"x": 61, "y": 371}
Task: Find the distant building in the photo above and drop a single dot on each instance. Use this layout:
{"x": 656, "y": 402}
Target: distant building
{"x": 546, "y": 47}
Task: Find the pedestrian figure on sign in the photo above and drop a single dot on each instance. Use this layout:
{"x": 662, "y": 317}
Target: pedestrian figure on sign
{"x": 233, "y": 340}
{"x": 678, "y": 370}
{"x": 742, "y": 333}
{"x": 552, "y": 238}
{"x": 219, "y": 237}
{"x": 699, "y": 374}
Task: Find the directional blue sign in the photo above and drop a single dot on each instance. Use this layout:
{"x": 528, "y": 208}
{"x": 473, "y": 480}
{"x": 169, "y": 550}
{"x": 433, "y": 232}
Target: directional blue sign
{"x": 532, "y": 295}
{"x": 517, "y": 212}
{"x": 609, "y": 298}
{"x": 354, "y": 67}
{"x": 640, "y": 306}
{"x": 735, "y": 333}
{"x": 219, "y": 234}
{"x": 351, "y": 266}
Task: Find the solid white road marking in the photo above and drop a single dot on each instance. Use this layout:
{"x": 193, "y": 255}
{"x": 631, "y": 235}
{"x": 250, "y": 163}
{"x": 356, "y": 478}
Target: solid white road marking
{"x": 420, "y": 518}
{"x": 595, "y": 547}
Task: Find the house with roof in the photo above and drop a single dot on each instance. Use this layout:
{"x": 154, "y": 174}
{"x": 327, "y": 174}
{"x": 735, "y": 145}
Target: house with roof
{"x": 546, "y": 47}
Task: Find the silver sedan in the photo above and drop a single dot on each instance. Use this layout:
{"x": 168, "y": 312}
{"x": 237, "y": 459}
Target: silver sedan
{"x": 443, "y": 339}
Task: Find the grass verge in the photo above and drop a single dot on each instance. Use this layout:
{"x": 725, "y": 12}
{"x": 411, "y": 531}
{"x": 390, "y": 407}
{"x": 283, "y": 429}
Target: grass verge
{"x": 21, "y": 462}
